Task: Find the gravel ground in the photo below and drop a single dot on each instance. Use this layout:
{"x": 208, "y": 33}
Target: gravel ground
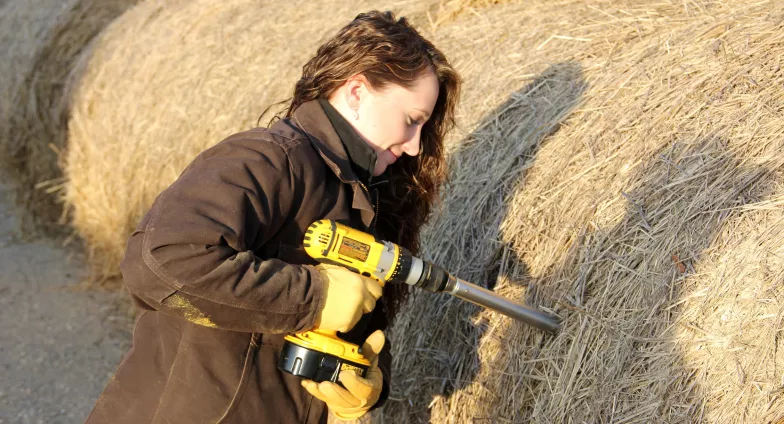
{"x": 59, "y": 343}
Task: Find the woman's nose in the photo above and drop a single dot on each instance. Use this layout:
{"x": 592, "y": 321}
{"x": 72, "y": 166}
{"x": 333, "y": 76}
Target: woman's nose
{"x": 411, "y": 147}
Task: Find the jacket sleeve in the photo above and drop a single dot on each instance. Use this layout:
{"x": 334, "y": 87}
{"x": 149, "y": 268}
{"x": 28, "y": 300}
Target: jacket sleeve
{"x": 192, "y": 254}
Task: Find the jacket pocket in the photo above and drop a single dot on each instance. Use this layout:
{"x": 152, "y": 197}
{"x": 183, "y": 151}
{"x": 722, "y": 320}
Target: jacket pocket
{"x": 202, "y": 372}
{"x": 250, "y": 357}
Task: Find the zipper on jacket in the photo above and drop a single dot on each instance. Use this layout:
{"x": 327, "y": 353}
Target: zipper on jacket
{"x": 377, "y": 197}
{"x": 375, "y": 217}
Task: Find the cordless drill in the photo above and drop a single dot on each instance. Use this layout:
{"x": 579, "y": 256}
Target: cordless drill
{"x": 320, "y": 355}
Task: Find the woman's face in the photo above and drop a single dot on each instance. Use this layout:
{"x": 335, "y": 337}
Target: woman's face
{"x": 390, "y": 119}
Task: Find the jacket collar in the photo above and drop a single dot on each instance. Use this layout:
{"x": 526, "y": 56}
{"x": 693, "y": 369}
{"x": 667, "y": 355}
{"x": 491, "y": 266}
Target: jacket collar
{"x": 363, "y": 157}
{"x": 310, "y": 117}
{"x": 312, "y": 120}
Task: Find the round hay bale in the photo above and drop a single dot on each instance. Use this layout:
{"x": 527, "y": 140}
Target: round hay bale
{"x": 168, "y": 80}
{"x": 35, "y": 103}
{"x": 620, "y": 166}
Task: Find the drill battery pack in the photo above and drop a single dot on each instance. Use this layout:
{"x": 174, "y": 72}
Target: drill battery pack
{"x": 314, "y": 365}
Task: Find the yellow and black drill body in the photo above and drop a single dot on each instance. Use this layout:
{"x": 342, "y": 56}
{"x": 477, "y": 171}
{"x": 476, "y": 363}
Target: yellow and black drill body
{"x": 320, "y": 355}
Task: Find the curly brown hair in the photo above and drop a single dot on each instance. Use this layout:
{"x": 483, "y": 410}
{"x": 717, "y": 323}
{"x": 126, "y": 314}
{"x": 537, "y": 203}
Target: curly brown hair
{"x": 387, "y": 50}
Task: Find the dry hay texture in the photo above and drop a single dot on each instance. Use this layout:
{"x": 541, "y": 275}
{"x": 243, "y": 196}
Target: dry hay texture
{"x": 43, "y": 41}
{"x": 619, "y": 164}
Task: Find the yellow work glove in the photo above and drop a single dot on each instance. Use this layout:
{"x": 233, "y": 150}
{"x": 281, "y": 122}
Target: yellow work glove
{"x": 362, "y": 393}
{"x": 348, "y": 295}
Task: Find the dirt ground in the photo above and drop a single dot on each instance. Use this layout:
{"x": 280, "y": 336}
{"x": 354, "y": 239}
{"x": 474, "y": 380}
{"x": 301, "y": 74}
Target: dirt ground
{"x": 59, "y": 343}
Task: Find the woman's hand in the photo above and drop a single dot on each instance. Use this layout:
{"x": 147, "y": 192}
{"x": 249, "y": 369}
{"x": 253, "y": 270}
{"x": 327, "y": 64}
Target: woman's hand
{"x": 362, "y": 393}
{"x": 348, "y": 296}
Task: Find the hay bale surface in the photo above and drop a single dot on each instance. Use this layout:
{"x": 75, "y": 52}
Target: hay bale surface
{"x": 170, "y": 79}
{"x": 617, "y": 165}
{"x": 622, "y": 167}
{"x": 45, "y": 40}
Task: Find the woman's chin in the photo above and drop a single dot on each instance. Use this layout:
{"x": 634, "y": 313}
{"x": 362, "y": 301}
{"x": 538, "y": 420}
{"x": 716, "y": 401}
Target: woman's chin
{"x": 390, "y": 157}
{"x": 380, "y": 168}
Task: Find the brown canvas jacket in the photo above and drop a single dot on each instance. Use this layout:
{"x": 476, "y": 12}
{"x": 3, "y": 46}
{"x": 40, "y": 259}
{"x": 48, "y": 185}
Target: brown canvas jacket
{"x": 218, "y": 269}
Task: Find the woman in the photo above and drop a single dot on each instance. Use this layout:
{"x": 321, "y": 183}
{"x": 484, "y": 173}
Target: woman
{"x": 217, "y": 264}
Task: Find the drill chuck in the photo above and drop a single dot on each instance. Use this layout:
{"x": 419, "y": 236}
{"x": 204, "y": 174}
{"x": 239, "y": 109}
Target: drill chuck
{"x": 418, "y": 273}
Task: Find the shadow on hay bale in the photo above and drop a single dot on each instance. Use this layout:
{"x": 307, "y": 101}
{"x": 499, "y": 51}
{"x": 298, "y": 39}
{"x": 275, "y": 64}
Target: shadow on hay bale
{"x": 444, "y": 359}
{"x": 620, "y": 289}
{"x": 37, "y": 127}
{"x": 642, "y": 338}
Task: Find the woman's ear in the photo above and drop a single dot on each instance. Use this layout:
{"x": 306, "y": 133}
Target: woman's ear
{"x": 356, "y": 92}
